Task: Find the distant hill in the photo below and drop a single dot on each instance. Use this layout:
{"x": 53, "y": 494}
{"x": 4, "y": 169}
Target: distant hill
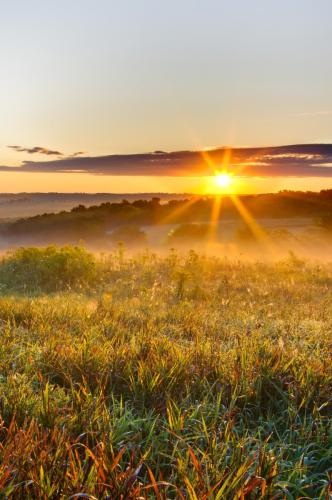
{"x": 93, "y": 222}
{"x": 17, "y": 205}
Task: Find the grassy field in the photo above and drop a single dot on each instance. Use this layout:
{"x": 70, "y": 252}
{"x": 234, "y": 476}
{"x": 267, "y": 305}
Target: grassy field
{"x": 164, "y": 377}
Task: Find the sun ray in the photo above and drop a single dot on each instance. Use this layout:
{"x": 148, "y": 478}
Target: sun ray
{"x": 222, "y": 179}
{"x": 254, "y": 227}
{"x": 179, "y": 211}
{"x": 206, "y": 157}
{"x": 216, "y": 169}
{"x": 214, "y": 220}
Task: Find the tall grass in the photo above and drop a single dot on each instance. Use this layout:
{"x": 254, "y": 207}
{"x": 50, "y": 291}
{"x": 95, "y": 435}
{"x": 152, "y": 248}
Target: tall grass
{"x": 164, "y": 377}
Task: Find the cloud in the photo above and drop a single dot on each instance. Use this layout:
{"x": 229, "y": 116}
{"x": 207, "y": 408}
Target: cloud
{"x": 36, "y": 149}
{"x": 323, "y": 112}
{"x": 306, "y": 160}
{"x": 78, "y": 153}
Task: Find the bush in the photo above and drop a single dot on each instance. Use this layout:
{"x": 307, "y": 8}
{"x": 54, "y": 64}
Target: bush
{"x": 47, "y": 269}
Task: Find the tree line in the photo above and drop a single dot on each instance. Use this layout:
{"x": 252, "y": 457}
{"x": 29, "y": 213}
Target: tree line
{"x": 96, "y": 221}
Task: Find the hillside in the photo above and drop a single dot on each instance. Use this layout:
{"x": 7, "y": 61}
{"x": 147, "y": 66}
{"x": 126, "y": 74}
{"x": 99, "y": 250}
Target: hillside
{"x": 94, "y": 223}
{"x": 17, "y": 205}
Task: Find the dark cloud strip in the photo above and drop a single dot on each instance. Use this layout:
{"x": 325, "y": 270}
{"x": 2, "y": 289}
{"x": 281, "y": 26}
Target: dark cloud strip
{"x": 306, "y": 160}
{"x": 78, "y": 153}
{"x": 36, "y": 149}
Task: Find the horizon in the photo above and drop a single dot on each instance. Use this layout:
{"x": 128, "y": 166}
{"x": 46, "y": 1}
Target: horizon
{"x": 250, "y": 170}
{"x": 155, "y": 193}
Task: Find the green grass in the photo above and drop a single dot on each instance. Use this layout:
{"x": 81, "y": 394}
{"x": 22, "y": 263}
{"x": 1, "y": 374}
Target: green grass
{"x": 164, "y": 377}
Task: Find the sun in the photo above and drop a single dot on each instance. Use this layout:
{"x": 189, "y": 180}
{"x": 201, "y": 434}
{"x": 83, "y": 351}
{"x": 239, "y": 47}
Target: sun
{"x": 223, "y": 180}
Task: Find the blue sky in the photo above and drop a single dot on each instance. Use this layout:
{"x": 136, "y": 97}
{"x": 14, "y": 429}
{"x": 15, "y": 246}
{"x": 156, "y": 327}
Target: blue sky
{"x": 108, "y": 77}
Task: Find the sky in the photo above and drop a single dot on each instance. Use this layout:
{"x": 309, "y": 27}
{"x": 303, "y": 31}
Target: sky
{"x": 83, "y": 80}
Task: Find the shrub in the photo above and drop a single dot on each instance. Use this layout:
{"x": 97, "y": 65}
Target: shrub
{"x": 47, "y": 269}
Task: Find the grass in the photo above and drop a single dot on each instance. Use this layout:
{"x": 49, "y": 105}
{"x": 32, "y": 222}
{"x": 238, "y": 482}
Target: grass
{"x": 164, "y": 377}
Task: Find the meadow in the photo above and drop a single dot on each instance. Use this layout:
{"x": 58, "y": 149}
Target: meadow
{"x": 178, "y": 376}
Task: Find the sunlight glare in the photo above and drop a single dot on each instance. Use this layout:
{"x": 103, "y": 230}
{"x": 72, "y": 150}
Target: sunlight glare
{"x": 223, "y": 180}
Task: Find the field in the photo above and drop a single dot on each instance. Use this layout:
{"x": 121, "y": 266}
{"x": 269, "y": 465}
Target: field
{"x": 181, "y": 376}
